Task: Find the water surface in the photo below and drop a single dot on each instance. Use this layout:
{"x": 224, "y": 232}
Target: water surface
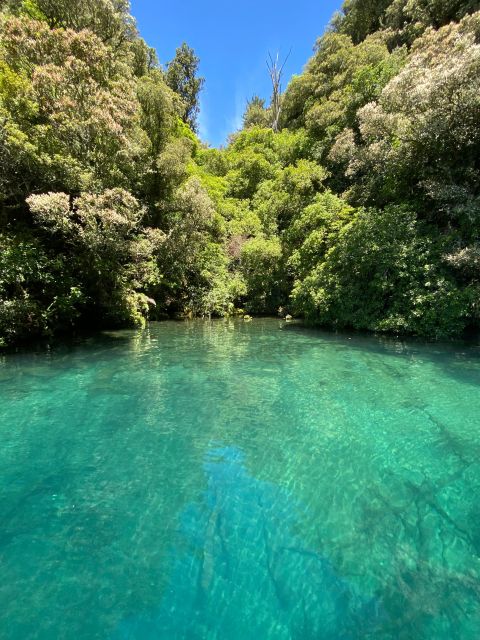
{"x": 232, "y": 481}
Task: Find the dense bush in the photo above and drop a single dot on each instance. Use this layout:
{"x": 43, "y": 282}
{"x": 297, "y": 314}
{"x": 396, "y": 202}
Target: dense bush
{"x": 362, "y": 211}
{"x": 380, "y": 271}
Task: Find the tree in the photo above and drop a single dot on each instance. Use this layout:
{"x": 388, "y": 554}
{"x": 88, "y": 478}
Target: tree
{"x": 410, "y": 18}
{"x": 193, "y": 259}
{"x": 110, "y": 20}
{"x": 73, "y": 108}
{"x": 256, "y": 114}
{"x": 260, "y": 265}
{"x": 39, "y": 292}
{"x": 359, "y": 18}
{"x": 159, "y": 108}
{"x": 420, "y": 141}
{"x": 379, "y": 271}
{"x": 355, "y": 194}
{"x": 103, "y": 236}
{"x": 340, "y": 78}
{"x": 182, "y": 77}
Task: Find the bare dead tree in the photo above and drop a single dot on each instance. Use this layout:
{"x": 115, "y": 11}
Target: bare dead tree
{"x": 275, "y": 69}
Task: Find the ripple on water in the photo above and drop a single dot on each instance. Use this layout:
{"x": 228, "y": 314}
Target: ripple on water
{"x": 213, "y": 480}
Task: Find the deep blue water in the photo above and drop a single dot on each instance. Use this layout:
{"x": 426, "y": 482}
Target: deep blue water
{"x": 234, "y": 481}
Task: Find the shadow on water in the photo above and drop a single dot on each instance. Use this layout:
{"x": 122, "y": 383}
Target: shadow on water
{"x": 239, "y": 551}
{"x": 449, "y": 355}
{"x": 457, "y": 358}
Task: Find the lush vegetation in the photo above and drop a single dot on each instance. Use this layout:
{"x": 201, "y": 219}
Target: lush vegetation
{"x": 362, "y": 210}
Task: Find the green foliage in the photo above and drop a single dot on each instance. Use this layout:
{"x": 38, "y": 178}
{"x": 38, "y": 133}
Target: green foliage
{"x": 248, "y": 169}
{"x": 280, "y": 199}
{"x": 362, "y": 211}
{"x": 193, "y": 259}
{"x": 213, "y": 161}
{"x": 159, "y": 106}
{"x": 110, "y": 20}
{"x": 405, "y": 19}
{"x": 182, "y": 78}
{"x": 111, "y": 251}
{"x": 71, "y": 114}
{"x": 421, "y": 138}
{"x": 256, "y": 114}
{"x": 408, "y": 19}
{"x": 144, "y": 58}
{"x": 382, "y": 273}
{"x": 314, "y": 231}
{"x": 359, "y": 18}
{"x": 38, "y": 292}
{"x": 260, "y": 266}
{"x": 338, "y": 80}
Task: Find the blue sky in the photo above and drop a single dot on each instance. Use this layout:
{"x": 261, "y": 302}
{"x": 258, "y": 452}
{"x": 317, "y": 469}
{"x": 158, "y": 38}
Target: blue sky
{"x": 233, "y": 40}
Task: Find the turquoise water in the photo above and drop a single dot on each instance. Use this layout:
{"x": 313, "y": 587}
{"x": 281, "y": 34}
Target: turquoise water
{"x": 230, "y": 481}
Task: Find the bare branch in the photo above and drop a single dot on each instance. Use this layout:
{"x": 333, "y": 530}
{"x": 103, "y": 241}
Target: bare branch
{"x": 275, "y": 70}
